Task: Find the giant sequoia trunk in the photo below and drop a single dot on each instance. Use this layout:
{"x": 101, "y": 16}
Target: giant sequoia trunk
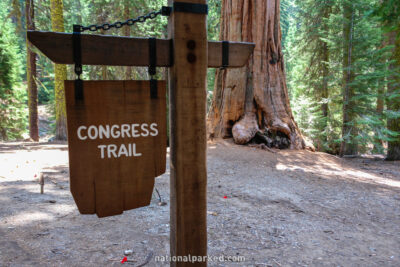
{"x": 254, "y": 98}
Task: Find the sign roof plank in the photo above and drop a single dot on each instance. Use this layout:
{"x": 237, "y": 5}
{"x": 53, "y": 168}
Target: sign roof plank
{"x": 127, "y": 51}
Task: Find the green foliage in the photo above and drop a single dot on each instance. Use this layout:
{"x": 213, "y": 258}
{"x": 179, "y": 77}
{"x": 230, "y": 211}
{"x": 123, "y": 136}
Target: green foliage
{"x": 213, "y": 19}
{"x": 213, "y": 27}
{"x": 313, "y": 41}
{"x": 12, "y": 97}
{"x": 313, "y": 36}
{"x": 389, "y": 13}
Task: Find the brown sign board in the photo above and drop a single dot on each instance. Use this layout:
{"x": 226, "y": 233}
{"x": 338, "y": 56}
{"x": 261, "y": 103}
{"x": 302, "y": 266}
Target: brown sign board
{"x": 117, "y": 144}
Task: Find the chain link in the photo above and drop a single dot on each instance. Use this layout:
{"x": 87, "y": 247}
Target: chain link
{"x": 119, "y": 24}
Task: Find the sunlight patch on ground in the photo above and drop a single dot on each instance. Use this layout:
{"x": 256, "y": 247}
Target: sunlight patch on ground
{"x": 49, "y": 189}
{"x": 13, "y": 168}
{"x": 29, "y": 217}
{"x": 336, "y": 171}
{"x": 62, "y": 208}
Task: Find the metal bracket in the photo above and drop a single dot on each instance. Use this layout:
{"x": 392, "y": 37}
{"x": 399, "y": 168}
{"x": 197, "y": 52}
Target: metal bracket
{"x": 76, "y": 38}
{"x": 152, "y": 56}
{"x": 166, "y": 10}
{"x": 153, "y": 89}
{"x": 225, "y": 54}
{"x": 152, "y": 67}
{"x": 190, "y": 8}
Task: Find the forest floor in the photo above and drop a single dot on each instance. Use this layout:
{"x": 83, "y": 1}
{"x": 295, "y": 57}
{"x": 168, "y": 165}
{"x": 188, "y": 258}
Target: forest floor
{"x": 288, "y": 208}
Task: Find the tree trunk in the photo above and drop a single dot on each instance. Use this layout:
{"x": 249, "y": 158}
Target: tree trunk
{"x": 325, "y": 92}
{"x": 380, "y": 105}
{"x": 102, "y": 16}
{"x": 127, "y": 32}
{"x": 394, "y": 104}
{"x": 349, "y": 127}
{"x": 253, "y": 98}
{"x": 379, "y": 110}
{"x": 16, "y": 12}
{"x": 31, "y": 75}
{"x": 60, "y": 73}
{"x": 322, "y": 91}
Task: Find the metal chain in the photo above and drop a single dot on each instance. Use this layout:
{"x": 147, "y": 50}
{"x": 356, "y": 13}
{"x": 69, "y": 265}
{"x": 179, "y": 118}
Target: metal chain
{"x": 165, "y": 11}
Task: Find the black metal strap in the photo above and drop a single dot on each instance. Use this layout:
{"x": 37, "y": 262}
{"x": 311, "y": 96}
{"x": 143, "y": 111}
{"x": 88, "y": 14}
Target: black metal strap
{"x": 152, "y": 67}
{"x": 77, "y": 53}
{"x": 152, "y": 56}
{"x": 166, "y": 10}
{"x": 78, "y": 90}
{"x": 225, "y": 54}
{"x": 153, "y": 88}
{"x": 190, "y": 8}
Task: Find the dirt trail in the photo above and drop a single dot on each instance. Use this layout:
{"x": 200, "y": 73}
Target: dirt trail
{"x": 291, "y": 208}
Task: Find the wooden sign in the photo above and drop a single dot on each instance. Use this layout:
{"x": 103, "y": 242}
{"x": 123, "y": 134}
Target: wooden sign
{"x": 117, "y": 144}
{"x": 106, "y": 177}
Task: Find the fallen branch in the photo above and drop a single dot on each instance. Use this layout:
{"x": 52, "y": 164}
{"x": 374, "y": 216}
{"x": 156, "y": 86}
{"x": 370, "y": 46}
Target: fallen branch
{"x": 262, "y": 146}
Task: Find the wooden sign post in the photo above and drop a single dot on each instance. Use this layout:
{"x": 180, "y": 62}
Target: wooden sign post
{"x": 187, "y": 96}
{"x": 187, "y": 54}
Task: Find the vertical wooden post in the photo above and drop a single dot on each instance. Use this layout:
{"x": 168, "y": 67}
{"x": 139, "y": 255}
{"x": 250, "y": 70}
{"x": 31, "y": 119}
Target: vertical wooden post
{"x": 187, "y": 96}
{"x": 41, "y": 182}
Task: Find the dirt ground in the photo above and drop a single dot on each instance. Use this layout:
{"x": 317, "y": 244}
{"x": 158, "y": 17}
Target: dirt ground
{"x": 290, "y": 208}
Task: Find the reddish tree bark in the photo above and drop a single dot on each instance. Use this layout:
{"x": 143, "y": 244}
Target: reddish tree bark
{"x": 31, "y": 75}
{"x": 253, "y": 98}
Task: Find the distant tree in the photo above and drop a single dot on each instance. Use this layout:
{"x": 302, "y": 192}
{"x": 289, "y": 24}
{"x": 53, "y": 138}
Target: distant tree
{"x": 16, "y": 13}
{"x": 127, "y": 32}
{"x": 390, "y": 13}
{"x": 349, "y": 126}
{"x": 307, "y": 46}
{"x": 60, "y": 73}
{"x": 337, "y": 69}
{"x": 31, "y": 74}
{"x": 12, "y": 96}
{"x": 394, "y": 99}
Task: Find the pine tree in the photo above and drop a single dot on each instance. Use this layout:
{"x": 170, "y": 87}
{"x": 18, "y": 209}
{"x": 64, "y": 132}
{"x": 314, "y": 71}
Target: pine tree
{"x": 349, "y": 125}
{"x": 337, "y": 45}
{"x": 389, "y": 10}
{"x": 394, "y": 99}
{"x": 314, "y": 54}
{"x": 12, "y": 95}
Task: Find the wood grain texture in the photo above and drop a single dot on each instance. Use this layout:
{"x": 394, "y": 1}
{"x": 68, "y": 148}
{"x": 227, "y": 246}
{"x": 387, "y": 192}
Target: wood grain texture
{"x": 187, "y": 85}
{"x": 239, "y": 54}
{"x": 126, "y": 51}
{"x": 108, "y": 186}
{"x": 100, "y": 49}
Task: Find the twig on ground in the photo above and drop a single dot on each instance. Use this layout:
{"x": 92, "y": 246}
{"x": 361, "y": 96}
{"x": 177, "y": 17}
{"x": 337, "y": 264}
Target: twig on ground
{"x": 277, "y": 262}
{"x": 147, "y": 260}
{"x": 158, "y": 193}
